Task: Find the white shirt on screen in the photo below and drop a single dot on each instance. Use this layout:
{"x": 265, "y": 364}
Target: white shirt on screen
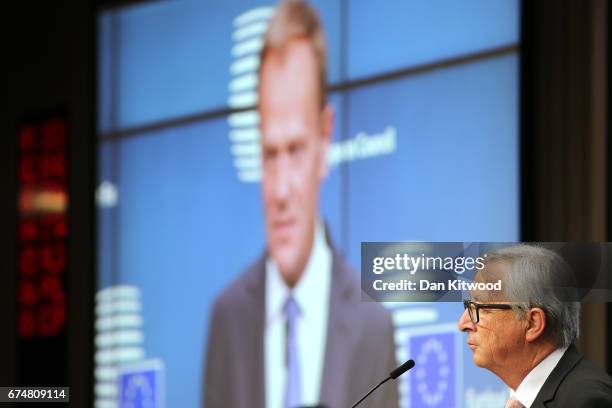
{"x": 529, "y": 388}
{"x": 311, "y": 294}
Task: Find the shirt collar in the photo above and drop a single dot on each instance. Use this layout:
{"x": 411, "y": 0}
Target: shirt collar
{"x": 307, "y": 288}
{"x": 529, "y": 388}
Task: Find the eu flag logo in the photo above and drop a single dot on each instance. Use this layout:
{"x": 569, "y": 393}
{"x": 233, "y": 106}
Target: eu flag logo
{"x": 433, "y": 382}
{"x": 140, "y": 385}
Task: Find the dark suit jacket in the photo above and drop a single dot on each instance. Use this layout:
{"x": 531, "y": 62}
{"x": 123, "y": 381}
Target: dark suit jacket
{"x": 360, "y": 349}
{"x": 575, "y": 383}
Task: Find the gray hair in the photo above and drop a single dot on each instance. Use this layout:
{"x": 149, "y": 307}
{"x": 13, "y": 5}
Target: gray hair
{"x": 533, "y": 272}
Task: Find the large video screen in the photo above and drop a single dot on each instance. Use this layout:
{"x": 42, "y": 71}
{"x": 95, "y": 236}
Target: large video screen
{"x": 424, "y": 147}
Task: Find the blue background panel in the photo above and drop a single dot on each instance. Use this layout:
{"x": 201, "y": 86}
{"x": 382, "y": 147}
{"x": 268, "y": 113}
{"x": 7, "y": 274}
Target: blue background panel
{"x": 455, "y": 174}
{"x": 106, "y": 252}
{"x": 397, "y": 34}
{"x": 187, "y": 228}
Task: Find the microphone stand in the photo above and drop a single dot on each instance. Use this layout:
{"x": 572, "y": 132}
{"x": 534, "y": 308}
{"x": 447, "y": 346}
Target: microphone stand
{"x": 393, "y": 375}
{"x": 371, "y": 391}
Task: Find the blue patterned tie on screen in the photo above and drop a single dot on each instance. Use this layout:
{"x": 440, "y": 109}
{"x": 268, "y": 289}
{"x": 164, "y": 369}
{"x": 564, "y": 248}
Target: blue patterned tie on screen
{"x": 292, "y": 392}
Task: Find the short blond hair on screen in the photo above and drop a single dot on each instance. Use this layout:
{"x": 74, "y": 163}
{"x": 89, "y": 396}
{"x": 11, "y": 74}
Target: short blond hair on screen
{"x": 296, "y": 19}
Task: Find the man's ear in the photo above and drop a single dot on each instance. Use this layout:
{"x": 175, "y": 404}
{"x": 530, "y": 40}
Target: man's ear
{"x": 535, "y": 319}
{"x": 327, "y": 129}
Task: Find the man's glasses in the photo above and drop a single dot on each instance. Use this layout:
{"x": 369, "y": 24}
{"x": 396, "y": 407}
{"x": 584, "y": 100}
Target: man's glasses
{"x": 473, "y": 308}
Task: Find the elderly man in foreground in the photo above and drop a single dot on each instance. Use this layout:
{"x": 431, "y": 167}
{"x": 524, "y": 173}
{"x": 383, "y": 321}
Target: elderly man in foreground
{"x": 525, "y": 335}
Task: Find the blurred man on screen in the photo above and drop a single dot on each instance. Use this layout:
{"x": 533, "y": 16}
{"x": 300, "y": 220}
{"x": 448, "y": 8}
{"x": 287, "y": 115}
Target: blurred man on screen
{"x": 291, "y": 331}
{"x": 526, "y": 335}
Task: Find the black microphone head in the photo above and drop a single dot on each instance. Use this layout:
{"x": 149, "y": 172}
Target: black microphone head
{"x": 401, "y": 369}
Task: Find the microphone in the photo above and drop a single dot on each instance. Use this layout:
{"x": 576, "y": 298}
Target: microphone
{"x": 392, "y": 376}
{"x": 401, "y": 369}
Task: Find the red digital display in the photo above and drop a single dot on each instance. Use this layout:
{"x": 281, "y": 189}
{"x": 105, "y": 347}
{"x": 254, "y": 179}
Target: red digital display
{"x": 42, "y": 228}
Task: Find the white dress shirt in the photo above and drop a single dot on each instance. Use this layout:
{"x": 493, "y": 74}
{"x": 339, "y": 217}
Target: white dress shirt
{"x": 529, "y": 388}
{"x": 311, "y": 294}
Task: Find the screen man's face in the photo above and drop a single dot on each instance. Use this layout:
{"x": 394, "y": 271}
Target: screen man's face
{"x": 294, "y": 139}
